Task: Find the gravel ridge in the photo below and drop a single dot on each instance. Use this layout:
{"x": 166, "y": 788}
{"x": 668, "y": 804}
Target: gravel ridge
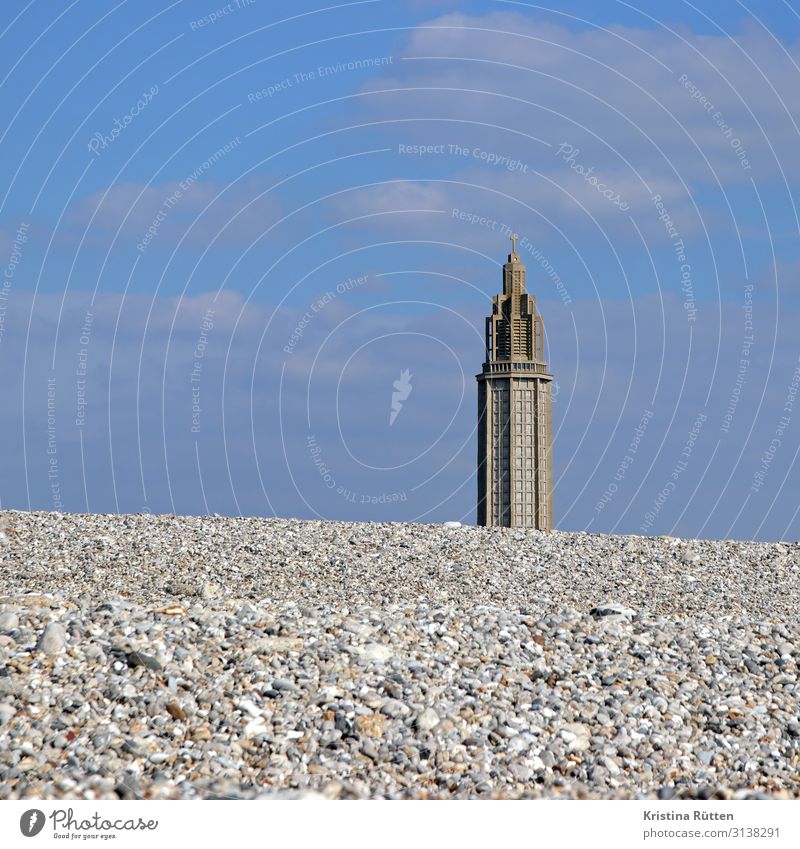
{"x": 147, "y": 656}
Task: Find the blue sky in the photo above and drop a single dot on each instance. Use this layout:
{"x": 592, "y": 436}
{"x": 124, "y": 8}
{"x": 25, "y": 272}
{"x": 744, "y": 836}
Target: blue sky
{"x": 228, "y": 229}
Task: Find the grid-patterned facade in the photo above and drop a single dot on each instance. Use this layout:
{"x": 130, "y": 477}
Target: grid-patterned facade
{"x": 514, "y": 412}
{"x": 501, "y": 450}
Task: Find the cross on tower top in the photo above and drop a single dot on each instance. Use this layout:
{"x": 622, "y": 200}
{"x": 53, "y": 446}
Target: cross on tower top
{"x": 514, "y": 238}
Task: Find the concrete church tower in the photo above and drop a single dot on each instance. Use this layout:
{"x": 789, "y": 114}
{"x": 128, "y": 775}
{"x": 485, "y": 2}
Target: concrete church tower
{"x": 515, "y": 474}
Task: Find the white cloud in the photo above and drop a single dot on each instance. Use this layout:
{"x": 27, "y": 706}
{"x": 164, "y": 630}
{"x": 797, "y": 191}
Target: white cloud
{"x": 474, "y": 207}
{"x": 615, "y": 92}
{"x": 236, "y": 213}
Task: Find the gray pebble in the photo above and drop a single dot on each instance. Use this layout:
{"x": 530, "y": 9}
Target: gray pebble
{"x": 8, "y": 621}
{"x": 396, "y": 660}
{"x": 53, "y": 640}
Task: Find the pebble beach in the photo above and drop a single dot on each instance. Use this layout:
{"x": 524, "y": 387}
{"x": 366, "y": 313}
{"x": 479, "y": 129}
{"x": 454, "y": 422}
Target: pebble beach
{"x": 170, "y": 657}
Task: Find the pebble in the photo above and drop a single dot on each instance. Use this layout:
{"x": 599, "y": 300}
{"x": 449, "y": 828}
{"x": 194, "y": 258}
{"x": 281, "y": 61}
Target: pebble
{"x": 249, "y": 707}
{"x": 209, "y": 590}
{"x": 610, "y": 608}
{"x": 255, "y": 727}
{"x": 138, "y": 658}
{"x": 8, "y": 621}
{"x": 376, "y": 652}
{"x": 53, "y": 640}
{"x": 175, "y": 710}
{"x": 427, "y": 720}
{"x": 249, "y": 658}
{"x": 395, "y": 709}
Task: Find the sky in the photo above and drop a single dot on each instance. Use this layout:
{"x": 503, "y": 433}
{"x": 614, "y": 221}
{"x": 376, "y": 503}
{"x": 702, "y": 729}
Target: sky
{"x": 231, "y": 233}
